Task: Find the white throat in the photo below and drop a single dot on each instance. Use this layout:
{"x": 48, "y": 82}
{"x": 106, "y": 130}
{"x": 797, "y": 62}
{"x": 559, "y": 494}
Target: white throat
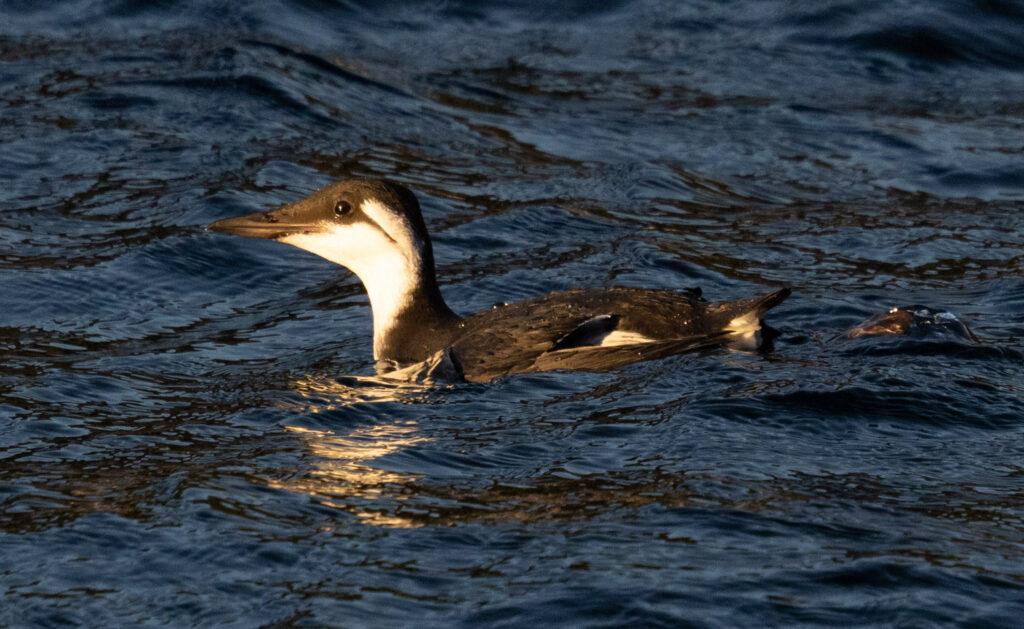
{"x": 389, "y": 275}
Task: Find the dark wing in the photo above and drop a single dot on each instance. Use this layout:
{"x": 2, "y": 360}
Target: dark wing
{"x": 590, "y": 332}
{"x": 511, "y": 339}
{"x": 597, "y": 358}
{"x": 508, "y": 339}
{"x": 563, "y": 330}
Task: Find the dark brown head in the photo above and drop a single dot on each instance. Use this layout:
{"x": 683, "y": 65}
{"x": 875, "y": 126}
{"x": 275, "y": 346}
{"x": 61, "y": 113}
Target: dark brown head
{"x": 372, "y": 227}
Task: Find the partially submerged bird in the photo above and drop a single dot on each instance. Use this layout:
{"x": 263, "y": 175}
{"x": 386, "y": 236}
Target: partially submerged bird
{"x": 375, "y": 229}
{"x": 914, "y": 321}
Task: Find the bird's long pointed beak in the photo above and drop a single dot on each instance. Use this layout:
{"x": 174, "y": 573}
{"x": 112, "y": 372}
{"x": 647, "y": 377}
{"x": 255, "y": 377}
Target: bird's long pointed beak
{"x": 273, "y": 225}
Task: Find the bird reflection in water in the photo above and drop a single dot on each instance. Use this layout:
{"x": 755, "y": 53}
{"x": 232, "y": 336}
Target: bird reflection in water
{"x": 342, "y": 473}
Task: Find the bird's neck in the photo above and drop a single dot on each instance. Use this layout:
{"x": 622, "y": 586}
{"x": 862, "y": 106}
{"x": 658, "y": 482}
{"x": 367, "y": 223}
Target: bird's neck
{"x": 411, "y": 320}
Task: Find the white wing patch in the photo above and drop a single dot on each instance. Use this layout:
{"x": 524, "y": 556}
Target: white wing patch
{"x": 621, "y": 337}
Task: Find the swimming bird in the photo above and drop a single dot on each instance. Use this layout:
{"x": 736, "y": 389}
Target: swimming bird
{"x": 915, "y": 321}
{"x": 375, "y": 229}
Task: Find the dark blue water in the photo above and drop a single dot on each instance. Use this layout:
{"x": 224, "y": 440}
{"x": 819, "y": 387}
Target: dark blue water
{"x": 187, "y": 433}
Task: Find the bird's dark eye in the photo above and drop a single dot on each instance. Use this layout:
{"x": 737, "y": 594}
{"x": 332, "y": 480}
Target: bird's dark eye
{"x": 342, "y": 208}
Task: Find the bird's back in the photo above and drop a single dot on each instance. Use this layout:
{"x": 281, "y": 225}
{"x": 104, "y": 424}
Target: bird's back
{"x": 572, "y": 329}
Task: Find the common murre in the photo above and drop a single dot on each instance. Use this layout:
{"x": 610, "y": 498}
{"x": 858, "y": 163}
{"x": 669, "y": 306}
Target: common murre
{"x": 375, "y": 229}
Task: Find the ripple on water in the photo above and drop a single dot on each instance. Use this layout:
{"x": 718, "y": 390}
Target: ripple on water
{"x": 189, "y": 429}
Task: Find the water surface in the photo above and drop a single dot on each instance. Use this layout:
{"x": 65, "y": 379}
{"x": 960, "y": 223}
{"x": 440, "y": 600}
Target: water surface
{"x": 189, "y": 433}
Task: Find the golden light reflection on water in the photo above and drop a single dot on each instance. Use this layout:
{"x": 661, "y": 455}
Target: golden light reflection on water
{"x": 342, "y": 473}
{"x": 321, "y": 394}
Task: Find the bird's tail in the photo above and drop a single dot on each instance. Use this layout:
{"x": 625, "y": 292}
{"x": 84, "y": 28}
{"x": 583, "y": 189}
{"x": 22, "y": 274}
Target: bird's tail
{"x": 744, "y": 319}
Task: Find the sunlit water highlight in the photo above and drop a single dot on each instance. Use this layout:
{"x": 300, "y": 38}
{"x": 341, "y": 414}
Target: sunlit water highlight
{"x": 190, "y": 429}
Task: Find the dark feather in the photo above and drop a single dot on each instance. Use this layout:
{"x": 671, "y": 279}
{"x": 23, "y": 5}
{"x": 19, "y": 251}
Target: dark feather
{"x": 526, "y": 336}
